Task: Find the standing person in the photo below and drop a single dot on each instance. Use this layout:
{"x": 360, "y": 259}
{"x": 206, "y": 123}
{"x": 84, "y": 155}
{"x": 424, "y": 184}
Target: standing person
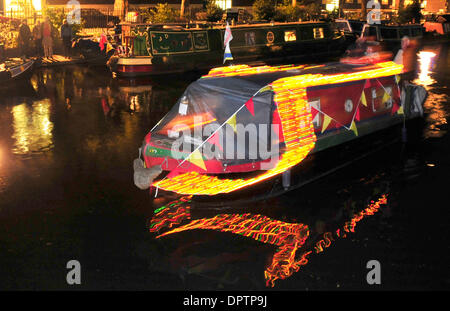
{"x": 118, "y": 33}
{"x": 37, "y": 36}
{"x": 47, "y": 40}
{"x": 24, "y": 38}
{"x": 66, "y": 36}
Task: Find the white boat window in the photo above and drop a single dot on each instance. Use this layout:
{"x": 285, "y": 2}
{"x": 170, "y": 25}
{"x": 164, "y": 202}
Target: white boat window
{"x": 318, "y": 33}
{"x": 250, "y": 38}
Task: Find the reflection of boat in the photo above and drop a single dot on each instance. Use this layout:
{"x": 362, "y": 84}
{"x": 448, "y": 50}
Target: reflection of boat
{"x": 148, "y": 50}
{"x": 13, "y": 69}
{"x": 260, "y": 122}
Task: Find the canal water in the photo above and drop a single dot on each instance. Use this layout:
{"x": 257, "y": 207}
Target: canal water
{"x": 68, "y": 137}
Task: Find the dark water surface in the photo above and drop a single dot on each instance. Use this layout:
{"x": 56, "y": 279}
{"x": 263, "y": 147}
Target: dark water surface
{"x": 67, "y": 141}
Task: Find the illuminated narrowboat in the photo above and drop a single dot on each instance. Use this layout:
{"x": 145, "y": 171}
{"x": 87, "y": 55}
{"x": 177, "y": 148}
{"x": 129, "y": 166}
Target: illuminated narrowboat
{"x": 162, "y": 49}
{"x": 239, "y": 125}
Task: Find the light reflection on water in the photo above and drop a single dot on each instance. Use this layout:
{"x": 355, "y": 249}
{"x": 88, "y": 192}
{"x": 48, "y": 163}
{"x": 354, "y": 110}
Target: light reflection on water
{"x": 32, "y": 127}
{"x": 434, "y": 106}
{"x": 97, "y": 133}
{"x": 425, "y": 59}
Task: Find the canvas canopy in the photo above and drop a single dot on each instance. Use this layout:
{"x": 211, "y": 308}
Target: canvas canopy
{"x": 207, "y": 106}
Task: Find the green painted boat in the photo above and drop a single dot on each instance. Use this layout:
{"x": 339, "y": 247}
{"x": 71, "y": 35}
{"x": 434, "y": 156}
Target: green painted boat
{"x": 161, "y": 49}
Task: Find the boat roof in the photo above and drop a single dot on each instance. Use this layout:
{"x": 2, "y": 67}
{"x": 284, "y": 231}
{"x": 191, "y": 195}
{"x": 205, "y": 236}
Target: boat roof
{"x": 264, "y": 75}
{"x": 183, "y": 26}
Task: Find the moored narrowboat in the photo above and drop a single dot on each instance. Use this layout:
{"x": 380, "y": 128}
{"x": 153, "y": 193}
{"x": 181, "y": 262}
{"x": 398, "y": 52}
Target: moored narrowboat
{"x": 162, "y": 49}
{"x": 241, "y": 125}
{"x": 13, "y": 69}
{"x": 391, "y": 35}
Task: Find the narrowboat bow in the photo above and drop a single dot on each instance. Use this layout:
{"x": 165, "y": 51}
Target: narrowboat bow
{"x": 241, "y": 125}
{"x": 13, "y": 69}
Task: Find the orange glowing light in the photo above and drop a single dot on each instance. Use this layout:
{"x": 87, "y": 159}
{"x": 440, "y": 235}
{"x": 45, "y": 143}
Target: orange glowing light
{"x": 370, "y": 210}
{"x": 171, "y": 214}
{"x": 287, "y": 236}
{"x": 296, "y": 120}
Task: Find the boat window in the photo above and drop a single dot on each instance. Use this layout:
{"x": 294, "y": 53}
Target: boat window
{"x": 250, "y": 38}
{"x": 318, "y": 33}
{"x": 388, "y": 33}
{"x": 381, "y": 101}
{"x": 356, "y": 26}
{"x": 343, "y": 26}
{"x": 306, "y": 33}
{"x": 404, "y": 32}
{"x": 201, "y": 41}
{"x": 290, "y": 35}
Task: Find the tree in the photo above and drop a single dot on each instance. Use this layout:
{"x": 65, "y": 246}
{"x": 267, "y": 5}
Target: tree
{"x": 162, "y": 13}
{"x": 263, "y": 9}
{"x": 214, "y": 13}
{"x": 410, "y": 14}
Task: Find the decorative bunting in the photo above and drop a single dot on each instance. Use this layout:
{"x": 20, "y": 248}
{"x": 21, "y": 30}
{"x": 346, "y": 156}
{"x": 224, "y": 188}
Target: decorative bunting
{"x": 400, "y": 110}
{"x": 397, "y": 78}
{"x": 363, "y": 99}
{"x": 367, "y": 84}
{"x": 395, "y": 108}
{"x": 357, "y": 117}
{"x": 197, "y": 159}
{"x": 353, "y": 128}
{"x": 215, "y": 140}
{"x": 326, "y": 122}
{"x": 250, "y": 106}
{"x": 109, "y": 47}
{"x": 232, "y": 122}
{"x": 386, "y": 97}
{"x": 226, "y": 41}
{"x": 314, "y": 112}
